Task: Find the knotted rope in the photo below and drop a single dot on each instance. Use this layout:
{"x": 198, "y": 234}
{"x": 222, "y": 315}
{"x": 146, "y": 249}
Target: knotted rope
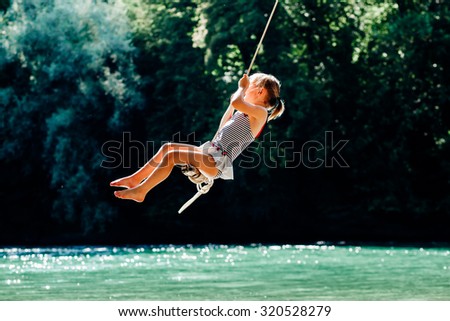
{"x": 202, "y": 182}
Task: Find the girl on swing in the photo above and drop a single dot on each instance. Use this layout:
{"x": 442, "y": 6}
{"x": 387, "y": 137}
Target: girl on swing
{"x": 256, "y": 102}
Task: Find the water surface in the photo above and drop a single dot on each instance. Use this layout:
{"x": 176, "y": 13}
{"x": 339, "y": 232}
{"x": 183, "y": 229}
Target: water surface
{"x": 219, "y": 272}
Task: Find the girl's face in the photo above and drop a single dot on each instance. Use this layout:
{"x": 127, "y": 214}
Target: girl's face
{"x": 254, "y": 93}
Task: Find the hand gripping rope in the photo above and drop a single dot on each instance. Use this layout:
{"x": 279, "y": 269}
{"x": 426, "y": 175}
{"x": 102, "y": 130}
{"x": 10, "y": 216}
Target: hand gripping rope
{"x": 204, "y": 183}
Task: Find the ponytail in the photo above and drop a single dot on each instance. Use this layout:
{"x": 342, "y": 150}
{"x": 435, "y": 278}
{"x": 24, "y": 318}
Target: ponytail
{"x": 274, "y": 102}
{"x": 277, "y": 110}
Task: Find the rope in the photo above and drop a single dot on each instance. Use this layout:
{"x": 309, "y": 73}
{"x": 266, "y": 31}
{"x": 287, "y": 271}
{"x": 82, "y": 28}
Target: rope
{"x": 202, "y": 188}
{"x": 202, "y": 182}
{"x": 262, "y": 38}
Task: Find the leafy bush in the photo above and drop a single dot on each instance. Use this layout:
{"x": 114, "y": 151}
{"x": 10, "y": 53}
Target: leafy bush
{"x": 72, "y": 82}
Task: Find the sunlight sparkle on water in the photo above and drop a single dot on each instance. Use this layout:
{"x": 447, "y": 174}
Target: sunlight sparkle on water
{"x": 223, "y": 272}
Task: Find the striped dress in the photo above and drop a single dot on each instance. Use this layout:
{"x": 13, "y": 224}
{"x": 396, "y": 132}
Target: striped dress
{"x": 231, "y": 140}
{"x": 235, "y": 136}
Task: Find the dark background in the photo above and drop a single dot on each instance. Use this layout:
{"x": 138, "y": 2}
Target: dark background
{"x": 75, "y": 76}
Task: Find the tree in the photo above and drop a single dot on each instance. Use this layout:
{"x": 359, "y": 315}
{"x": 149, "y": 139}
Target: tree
{"x": 73, "y": 84}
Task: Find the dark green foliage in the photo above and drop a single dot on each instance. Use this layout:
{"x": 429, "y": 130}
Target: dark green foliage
{"x": 375, "y": 73}
{"x": 71, "y": 81}
{"x": 4, "y": 5}
{"x": 403, "y": 127}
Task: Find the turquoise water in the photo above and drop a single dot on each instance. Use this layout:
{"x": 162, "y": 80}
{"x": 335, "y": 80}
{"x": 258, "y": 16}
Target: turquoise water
{"x": 219, "y": 272}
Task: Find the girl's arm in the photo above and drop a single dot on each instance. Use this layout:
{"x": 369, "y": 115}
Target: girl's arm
{"x": 226, "y": 117}
{"x": 238, "y": 102}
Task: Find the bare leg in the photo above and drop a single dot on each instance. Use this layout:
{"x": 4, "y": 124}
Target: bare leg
{"x": 202, "y": 161}
{"x": 145, "y": 171}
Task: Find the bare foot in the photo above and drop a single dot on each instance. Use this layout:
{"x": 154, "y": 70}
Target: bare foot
{"x": 134, "y": 194}
{"x": 127, "y": 182}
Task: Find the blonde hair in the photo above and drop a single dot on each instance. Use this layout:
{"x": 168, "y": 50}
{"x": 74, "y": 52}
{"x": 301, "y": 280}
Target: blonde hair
{"x": 274, "y": 102}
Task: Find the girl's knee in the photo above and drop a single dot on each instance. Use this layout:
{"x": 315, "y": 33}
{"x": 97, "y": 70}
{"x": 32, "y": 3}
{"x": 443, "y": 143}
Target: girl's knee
{"x": 167, "y": 147}
{"x": 169, "y": 156}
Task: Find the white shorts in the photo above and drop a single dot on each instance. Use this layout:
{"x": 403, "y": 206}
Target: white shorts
{"x": 223, "y": 162}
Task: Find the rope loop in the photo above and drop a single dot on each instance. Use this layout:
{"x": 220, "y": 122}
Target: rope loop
{"x": 194, "y": 175}
{"x": 202, "y": 183}
{"x": 205, "y": 186}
